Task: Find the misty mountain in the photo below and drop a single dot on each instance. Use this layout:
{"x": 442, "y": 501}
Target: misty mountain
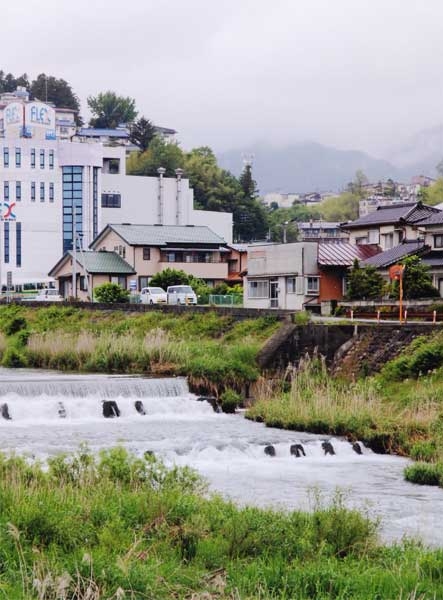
{"x": 423, "y": 150}
{"x": 309, "y": 166}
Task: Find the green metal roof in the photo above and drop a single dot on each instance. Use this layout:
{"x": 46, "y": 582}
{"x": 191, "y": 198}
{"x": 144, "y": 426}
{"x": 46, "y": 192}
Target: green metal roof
{"x": 161, "y": 235}
{"x": 103, "y": 262}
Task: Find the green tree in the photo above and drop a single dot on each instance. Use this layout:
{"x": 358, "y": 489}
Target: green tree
{"x": 9, "y": 82}
{"x": 169, "y": 277}
{"x": 433, "y": 194}
{"x": 341, "y": 208}
{"x": 248, "y": 185}
{"x": 356, "y": 187}
{"x": 110, "y": 110}
{"x": 364, "y": 283}
{"x": 159, "y": 154}
{"x": 141, "y": 133}
{"x": 110, "y": 293}
{"x": 417, "y": 281}
{"x": 57, "y": 91}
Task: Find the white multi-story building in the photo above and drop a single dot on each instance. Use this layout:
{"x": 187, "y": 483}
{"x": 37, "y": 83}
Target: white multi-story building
{"x": 54, "y": 190}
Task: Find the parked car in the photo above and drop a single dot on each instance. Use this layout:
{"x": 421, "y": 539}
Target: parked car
{"x": 153, "y": 295}
{"x": 181, "y": 294}
{"x": 48, "y": 295}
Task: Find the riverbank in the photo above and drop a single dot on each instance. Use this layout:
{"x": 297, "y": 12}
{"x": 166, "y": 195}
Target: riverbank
{"x": 146, "y": 532}
{"x": 398, "y": 411}
{"x": 215, "y": 352}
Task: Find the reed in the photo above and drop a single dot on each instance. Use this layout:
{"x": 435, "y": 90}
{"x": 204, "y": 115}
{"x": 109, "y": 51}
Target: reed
{"x": 143, "y": 531}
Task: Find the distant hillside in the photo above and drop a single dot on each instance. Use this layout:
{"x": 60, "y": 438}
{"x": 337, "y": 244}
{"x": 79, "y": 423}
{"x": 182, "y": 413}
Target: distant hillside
{"x": 422, "y": 151}
{"x": 310, "y": 166}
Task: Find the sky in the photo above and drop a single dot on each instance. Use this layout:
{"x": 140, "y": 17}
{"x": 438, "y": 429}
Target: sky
{"x": 355, "y": 74}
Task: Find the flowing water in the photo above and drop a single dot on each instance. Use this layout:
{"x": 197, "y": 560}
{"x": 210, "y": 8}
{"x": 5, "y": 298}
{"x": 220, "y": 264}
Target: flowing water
{"x": 51, "y": 412}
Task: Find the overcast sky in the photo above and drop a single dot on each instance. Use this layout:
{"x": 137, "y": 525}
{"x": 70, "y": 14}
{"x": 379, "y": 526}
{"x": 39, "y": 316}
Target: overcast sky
{"x": 226, "y": 73}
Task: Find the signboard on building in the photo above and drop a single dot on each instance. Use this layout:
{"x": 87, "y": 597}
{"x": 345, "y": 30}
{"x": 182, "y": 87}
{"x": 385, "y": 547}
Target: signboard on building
{"x": 7, "y": 211}
{"x": 41, "y": 116}
{"x": 13, "y": 114}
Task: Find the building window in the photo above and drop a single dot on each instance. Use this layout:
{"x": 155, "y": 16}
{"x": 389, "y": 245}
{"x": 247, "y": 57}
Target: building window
{"x": 143, "y": 281}
{"x": 32, "y": 158}
{"x": 373, "y": 236}
{"x": 95, "y": 202}
{"x": 42, "y": 159}
{"x": 258, "y": 289}
{"x": 32, "y": 191}
{"x": 18, "y": 244}
{"x": 42, "y": 191}
{"x": 18, "y": 190}
{"x": 312, "y": 286}
{"x": 6, "y": 157}
{"x": 120, "y": 280}
{"x": 146, "y": 253}
{"x": 18, "y": 157}
{"x": 438, "y": 241}
{"x": 51, "y": 159}
{"x": 51, "y": 192}
{"x": 290, "y": 285}
{"x": 6, "y": 238}
{"x": 72, "y": 205}
{"x": 111, "y": 201}
{"x": 6, "y": 190}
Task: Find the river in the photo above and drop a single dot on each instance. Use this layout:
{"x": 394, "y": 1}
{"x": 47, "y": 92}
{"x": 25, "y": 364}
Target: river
{"x": 53, "y": 412}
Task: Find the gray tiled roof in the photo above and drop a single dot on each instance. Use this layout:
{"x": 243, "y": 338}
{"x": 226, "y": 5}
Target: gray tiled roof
{"x": 391, "y": 256}
{"x": 103, "y": 262}
{"x": 161, "y": 235}
{"x": 432, "y": 219}
{"x": 409, "y": 212}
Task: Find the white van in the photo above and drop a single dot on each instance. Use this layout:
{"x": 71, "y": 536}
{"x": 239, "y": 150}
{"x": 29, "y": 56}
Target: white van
{"x": 181, "y": 294}
{"x": 153, "y": 295}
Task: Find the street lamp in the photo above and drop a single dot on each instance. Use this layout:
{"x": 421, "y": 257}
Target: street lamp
{"x": 285, "y": 226}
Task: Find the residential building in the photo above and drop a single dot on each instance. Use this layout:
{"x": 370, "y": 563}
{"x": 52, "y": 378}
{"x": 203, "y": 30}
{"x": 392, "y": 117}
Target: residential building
{"x": 388, "y": 226}
{"x": 237, "y": 263}
{"x": 321, "y": 231}
{"x": 282, "y": 276}
{"x": 57, "y": 191}
{"x": 89, "y": 270}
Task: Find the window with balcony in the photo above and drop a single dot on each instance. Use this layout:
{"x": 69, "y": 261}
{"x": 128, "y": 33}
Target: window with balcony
{"x": 312, "y": 286}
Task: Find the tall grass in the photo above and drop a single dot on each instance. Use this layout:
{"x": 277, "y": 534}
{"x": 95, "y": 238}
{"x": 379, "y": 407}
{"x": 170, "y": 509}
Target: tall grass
{"x": 143, "y": 531}
{"x": 319, "y": 403}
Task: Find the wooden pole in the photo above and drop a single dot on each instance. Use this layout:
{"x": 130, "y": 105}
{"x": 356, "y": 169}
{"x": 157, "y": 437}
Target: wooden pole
{"x": 401, "y": 294}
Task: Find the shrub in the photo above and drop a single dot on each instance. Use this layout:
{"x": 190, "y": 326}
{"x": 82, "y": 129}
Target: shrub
{"x": 230, "y": 399}
{"x": 111, "y": 293}
{"x": 425, "y": 474}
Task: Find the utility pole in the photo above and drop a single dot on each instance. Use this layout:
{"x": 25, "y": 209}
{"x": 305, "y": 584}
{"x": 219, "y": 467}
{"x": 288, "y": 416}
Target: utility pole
{"x": 74, "y": 266}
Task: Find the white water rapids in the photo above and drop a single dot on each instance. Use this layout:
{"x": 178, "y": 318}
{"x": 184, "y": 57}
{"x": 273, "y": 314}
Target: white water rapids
{"x": 227, "y": 450}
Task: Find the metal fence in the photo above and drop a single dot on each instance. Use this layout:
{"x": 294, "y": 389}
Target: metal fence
{"x": 227, "y": 300}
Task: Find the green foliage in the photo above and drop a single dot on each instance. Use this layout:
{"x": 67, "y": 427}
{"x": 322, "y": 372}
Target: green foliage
{"x": 9, "y": 82}
{"x": 433, "y": 194}
{"x": 302, "y": 317}
{"x": 58, "y": 91}
{"x": 417, "y": 281}
{"x": 110, "y": 293}
{"x": 364, "y": 283}
{"x": 342, "y": 208}
{"x": 141, "y": 133}
{"x": 425, "y": 474}
{"x": 423, "y": 355}
{"x": 110, "y": 110}
{"x": 159, "y": 154}
{"x": 230, "y": 400}
{"x": 151, "y": 531}
{"x": 169, "y": 277}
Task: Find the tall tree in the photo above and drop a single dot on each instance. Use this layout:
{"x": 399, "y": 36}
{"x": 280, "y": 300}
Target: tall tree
{"x": 9, "y": 83}
{"x": 417, "y": 281}
{"x": 57, "y": 91}
{"x": 141, "y": 133}
{"x": 159, "y": 154}
{"x": 248, "y": 185}
{"x": 110, "y": 110}
{"x": 364, "y": 283}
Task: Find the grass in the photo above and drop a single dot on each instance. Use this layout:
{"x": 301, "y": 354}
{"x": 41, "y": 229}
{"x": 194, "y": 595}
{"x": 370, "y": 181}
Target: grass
{"x": 215, "y": 351}
{"x": 143, "y": 531}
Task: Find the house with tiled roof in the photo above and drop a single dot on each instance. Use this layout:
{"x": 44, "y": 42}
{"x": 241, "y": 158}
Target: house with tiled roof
{"x": 149, "y": 249}
{"x": 389, "y": 226}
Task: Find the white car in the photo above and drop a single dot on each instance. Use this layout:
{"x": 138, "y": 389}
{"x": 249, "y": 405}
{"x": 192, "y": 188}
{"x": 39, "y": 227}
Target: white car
{"x": 181, "y": 294}
{"x": 48, "y": 295}
{"x": 153, "y": 295}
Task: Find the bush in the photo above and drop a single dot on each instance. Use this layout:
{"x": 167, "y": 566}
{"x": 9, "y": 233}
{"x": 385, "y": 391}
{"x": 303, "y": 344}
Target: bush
{"x": 425, "y": 474}
{"x": 111, "y": 293}
{"x": 229, "y": 401}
